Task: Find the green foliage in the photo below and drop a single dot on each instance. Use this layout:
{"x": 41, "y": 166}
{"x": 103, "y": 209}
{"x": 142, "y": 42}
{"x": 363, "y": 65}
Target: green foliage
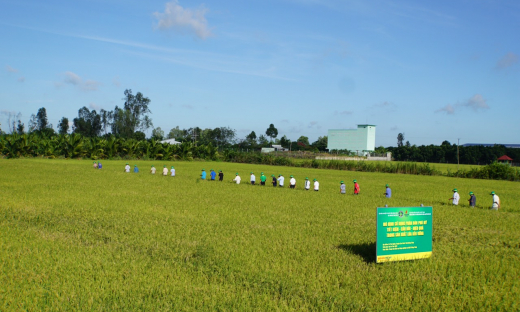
{"x": 88, "y": 123}
{"x": 271, "y": 132}
{"x": 63, "y": 126}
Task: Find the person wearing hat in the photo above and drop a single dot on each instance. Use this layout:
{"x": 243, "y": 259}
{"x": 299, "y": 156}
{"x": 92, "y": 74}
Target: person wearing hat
{"x": 165, "y": 171}
{"x": 455, "y": 197}
{"x": 342, "y": 188}
{"x": 136, "y": 170}
{"x": 99, "y": 165}
{"x": 220, "y": 176}
{"x": 307, "y": 184}
{"x": 152, "y": 170}
{"x": 356, "y": 187}
{"x": 252, "y": 179}
{"x": 237, "y": 178}
{"x": 263, "y": 178}
{"x": 292, "y": 182}
{"x": 496, "y": 201}
{"x": 274, "y": 180}
{"x": 127, "y": 168}
{"x": 203, "y": 174}
{"x": 172, "y": 172}
{"x": 388, "y": 192}
{"x": 472, "y": 200}
{"x": 95, "y": 165}
{"x": 316, "y": 185}
{"x": 213, "y": 175}
{"x": 280, "y": 180}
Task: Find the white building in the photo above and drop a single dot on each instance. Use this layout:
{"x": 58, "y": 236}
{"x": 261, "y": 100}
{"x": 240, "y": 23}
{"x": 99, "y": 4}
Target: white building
{"x": 360, "y": 140}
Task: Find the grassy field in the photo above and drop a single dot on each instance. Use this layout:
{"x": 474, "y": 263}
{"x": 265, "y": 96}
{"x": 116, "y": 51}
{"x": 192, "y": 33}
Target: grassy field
{"x": 75, "y": 238}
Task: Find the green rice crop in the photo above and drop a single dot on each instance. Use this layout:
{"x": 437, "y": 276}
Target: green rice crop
{"x": 76, "y": 238}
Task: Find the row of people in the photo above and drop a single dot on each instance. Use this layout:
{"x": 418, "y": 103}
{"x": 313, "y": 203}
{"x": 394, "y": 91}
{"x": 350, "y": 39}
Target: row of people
{"x": 473, "y": 199}
{"x": 307, "y": 184}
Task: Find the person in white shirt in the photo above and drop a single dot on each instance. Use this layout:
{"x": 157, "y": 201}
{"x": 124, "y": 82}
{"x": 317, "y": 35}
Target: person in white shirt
{"x": 253, "y": 179}
{"x": 455, "y": 197}
{"x": 165, "y": 171}
{"x": 152, "y": 170}
{"x": 280, "y": 180}
{"x": 292, "y": 182}
{"x": 172, "y": 171}
{"x": 316, "y": 185}
{"x": 307, "y": 184}
{"x": 496, "y": 201}
{"x": 237, "y": 178}
{"x": 127, "y": 168}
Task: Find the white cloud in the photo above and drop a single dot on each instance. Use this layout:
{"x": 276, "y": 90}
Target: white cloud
{"x": 476, "y": 102}
{"x": 343, "y": 113}
{"x": 181, "y": 19}
{"x": 21, "y": 79}
{"x": 449, "y": 109}
{"x": 507, "y": 60}
{"x": 94, "y": 106}
{"x": 72, "y": 78}
{"x": 76, "y": 80}
{"x": 10, "y": 69}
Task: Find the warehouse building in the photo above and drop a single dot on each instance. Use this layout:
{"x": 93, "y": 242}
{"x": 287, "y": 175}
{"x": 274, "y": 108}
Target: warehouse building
{"x": 360, "y": 141}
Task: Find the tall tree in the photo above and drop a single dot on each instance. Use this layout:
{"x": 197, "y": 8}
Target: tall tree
{"x": 176, "y": 133}
{"x": 41, "y": 119}
{"x": 88, "y": 123}
{"x": 271, "y": 132}
{"x": 63, "y": 126}
{"x": 285, "y": 142}
{"x": 20, "y": 127}
{"x": 321, "y": 143}
{"x": 133, "y": 116}
{"x": 105, "y": 119}
{"x": 400, "y": 139}
{"x": 158, "y": 134}
{"x": 303, "y": 140}
{"x": 33, "y": 123}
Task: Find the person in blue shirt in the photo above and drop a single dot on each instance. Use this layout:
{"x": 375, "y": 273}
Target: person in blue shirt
{"x": 203, "y": 174}
{"x": 388, "y": 192}
{"x": 213, "y": 175}
{"x": 136, "y": 170}
{"x": 99, "y": 165}
{"x": 472, "y": 200}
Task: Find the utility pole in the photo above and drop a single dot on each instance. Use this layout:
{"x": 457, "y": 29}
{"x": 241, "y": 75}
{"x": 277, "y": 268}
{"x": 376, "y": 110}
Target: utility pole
{"x": 458, "y": 158}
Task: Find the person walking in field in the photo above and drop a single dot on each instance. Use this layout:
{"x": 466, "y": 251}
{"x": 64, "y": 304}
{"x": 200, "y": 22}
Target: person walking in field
{"x": 212, "y": 175}
{"x": 316, "y": 185}
{"x": 237, "y": 178}
{"x": 496, "y": 201}
{"x": 342, "y": 188}
{"x": 307, "y": 184}
{"x": 472, "y": 200}
{"x": 99, "y": 165}
{"x": 274, "y": 180}
{"x": 455, "y": 198}
{"x": 356, "y": 187}
{"x": 136, "y": 170}
{"x": 263, "y": 178}
{"x": 172, "y": 172}
{"x": 203, "y": 175}
{"x": 252, "y": 179}
{"x": 95, "y": 165}
{"x": 165, "y": 171}
{"x": 280, "y": 180}
{"x": 292, "y": 182}
{"x": 152, "y": 170}
{"x": 388, "y": 192}
{"x": 220, "y": 176}
{"x": 127, "y": 168}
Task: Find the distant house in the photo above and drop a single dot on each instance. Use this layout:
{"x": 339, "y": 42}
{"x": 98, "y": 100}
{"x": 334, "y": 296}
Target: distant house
{"x": 274, "y": 148}
{"x": 171, "y": 141}
{"x": 360, "y": 140}
{"x": 505, "y": 159}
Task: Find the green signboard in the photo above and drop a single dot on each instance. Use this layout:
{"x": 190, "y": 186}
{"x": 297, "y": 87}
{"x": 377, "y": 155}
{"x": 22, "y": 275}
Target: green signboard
{"x": 403, "y": 233}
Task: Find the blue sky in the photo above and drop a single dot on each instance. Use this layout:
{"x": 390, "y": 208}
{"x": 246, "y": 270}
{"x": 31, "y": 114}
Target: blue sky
{"x": 434, "y": 70}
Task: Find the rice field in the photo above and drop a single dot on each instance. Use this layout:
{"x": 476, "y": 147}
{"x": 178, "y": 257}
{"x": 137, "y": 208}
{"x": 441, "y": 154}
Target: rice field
{"x": 76, "y": 238}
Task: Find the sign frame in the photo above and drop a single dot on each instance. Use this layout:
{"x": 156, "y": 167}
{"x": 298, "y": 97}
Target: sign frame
{"x": 403, "y": 233}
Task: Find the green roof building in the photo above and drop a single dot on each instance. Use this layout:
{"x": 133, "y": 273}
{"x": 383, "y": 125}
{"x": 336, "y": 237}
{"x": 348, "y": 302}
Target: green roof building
{"x": 360, "y": 140}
